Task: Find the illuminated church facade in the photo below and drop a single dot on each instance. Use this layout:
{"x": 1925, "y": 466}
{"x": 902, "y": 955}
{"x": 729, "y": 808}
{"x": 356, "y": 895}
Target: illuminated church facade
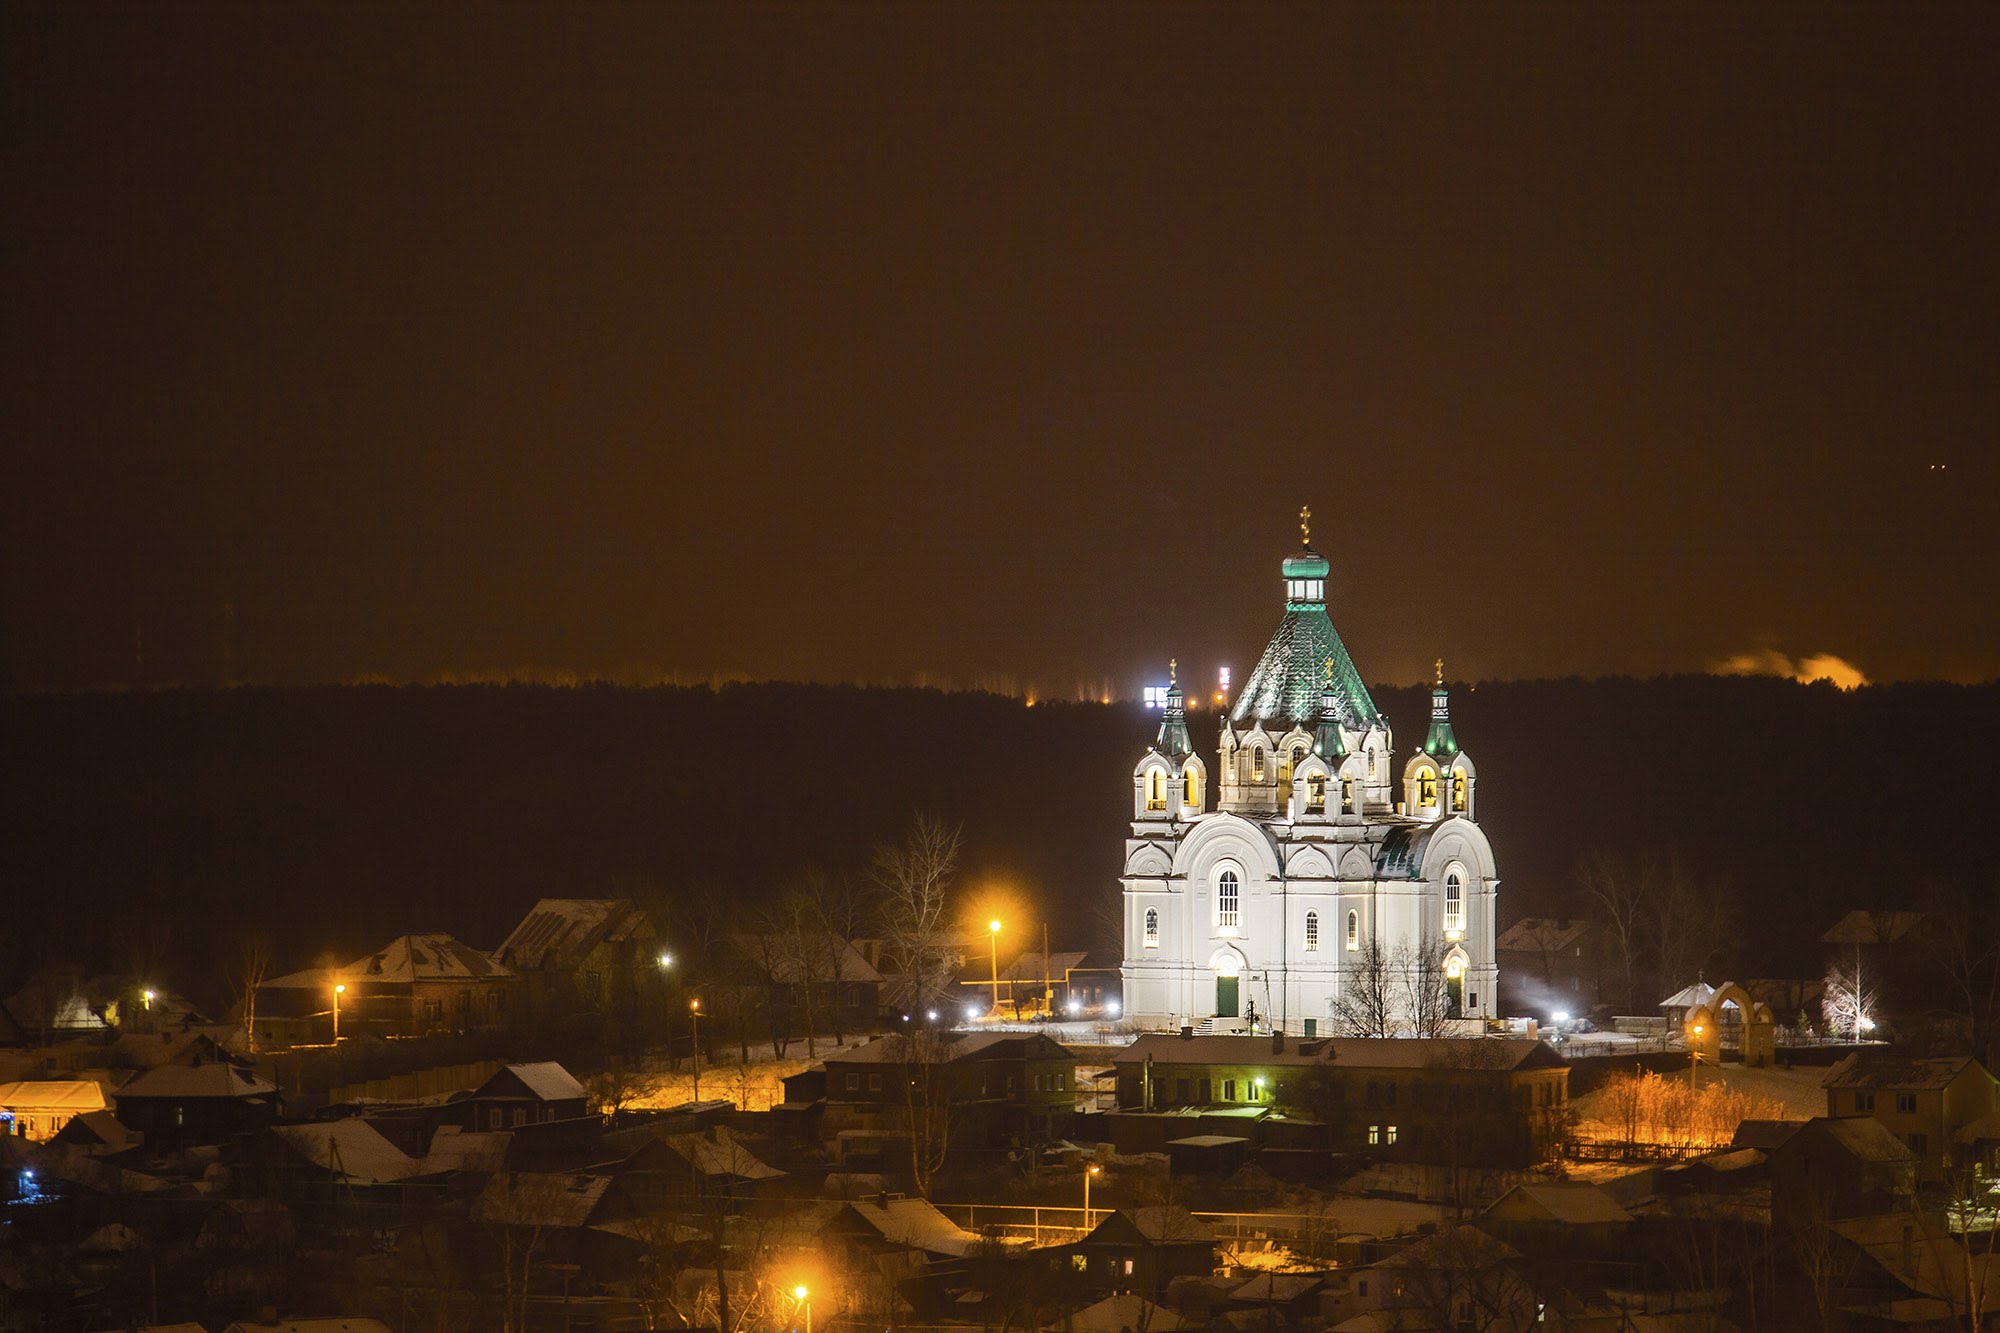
{"x": 1257, "y": 888}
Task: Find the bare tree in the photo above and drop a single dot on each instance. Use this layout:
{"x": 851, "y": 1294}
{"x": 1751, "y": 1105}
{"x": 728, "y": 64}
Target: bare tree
{"x": 840, "y": 916}
{"x": 1694, "y": 919}
{"x": 1620, "y": 893}
{"x": 1366, "y": 1003}
{"x": 927, "y": 1101}
{"x": 912, "y": 880}
{"x": 253, "y": 965}
{"x": 1423, "y": 987}
{"x": 1961, "y": 939}
{"x": 1849, "y": 998}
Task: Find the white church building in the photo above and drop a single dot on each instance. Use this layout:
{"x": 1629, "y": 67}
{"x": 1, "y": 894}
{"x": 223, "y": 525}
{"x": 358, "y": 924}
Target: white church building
{"x": 1256, "y": 888}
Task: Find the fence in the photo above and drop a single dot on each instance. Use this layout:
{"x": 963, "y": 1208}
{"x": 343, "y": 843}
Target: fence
{"x": 1043, "y": 1224}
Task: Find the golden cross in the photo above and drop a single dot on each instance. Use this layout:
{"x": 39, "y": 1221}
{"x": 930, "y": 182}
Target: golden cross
{"x": 1305, "y": 525}
{"x": 1329, "y": 673}
{"x": 1173, "y": 671}
{"x": 1440, "y": 671}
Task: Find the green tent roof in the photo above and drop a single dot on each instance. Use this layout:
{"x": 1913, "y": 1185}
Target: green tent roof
{"x": 1287, "y": 684}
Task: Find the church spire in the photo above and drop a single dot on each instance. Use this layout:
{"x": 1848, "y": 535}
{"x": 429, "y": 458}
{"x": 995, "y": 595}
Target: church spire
{"x": 1327, "y": 743}
{"x": 1173, "y": 738}
{"x": 1441, "y": 742}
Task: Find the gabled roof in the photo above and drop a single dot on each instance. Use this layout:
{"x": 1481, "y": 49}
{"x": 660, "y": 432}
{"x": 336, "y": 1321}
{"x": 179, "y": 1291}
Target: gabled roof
{"x": 434, "y": 957}
{"x": 1160, "y": 1224}
{"x": 915, "y": 1224}
{"x": 1538, "y": 934}
{"x": 217, "y": 1079}
{"x": 52, "y": 1095}
{"x": 561, "y": 932}
{"x": 1453, "y": 1247}
{"x": 1279, "y": 1288}
{"x": 897, "y": 1049}
{"x": 790, "y": 959}
{"x": 102, "y": 1131}
{"x": 1687, "y": 997}
{"x": 1900, "y": 1073}
{"x": 719, "y": 1153}
{"x": 540, "y": 1199}
{"x": 1571, "y": 1203}
{"x": 545, "y": 1081}
{"x": 1862, "y": 1137}
{"x": 1128, "y": 1312}
{"x": 1861, "y": 927}
{"x": 352, "y": 1149}
{"x": 1765, "y": 1135}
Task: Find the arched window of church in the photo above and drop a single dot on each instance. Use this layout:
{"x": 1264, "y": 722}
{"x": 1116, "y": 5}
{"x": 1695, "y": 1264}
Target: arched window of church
{"x": 1316, "y": 793}
{"x": 1193, "y": 794}
{"x": 1152, "y": 927}
{"x": 1454, "y": 898}
{"x": 1257, "y": 763}
{"x": 1371, "y": 763}
{"x": 1347, "y": 796}
{"x": 1353, "y": 931}
{"x": 1156, "y": 792}
{"x": 1458, "y": 790}
{"x": 1298, "y": 757}
{"x": 1427, "y": 789}
{"x": 1312, "y": 932}
{"x": 1226, "y": 887}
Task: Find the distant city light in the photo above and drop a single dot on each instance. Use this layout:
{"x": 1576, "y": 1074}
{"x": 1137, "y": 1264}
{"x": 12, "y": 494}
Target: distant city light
{"x": 1156, "y": 696}
{"x": 932, "y": 1015}
{"x": 1111, "y": 1007}
{"x": 1222, "y": 678}
{"x": 1076, "y": 1006}
{"x": 1559, "y": 1016}
{"x": 972, "y": 1011}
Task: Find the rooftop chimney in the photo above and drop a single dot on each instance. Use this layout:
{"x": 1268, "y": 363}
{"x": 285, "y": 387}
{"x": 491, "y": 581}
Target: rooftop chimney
{"x": 1277, "y": 1041}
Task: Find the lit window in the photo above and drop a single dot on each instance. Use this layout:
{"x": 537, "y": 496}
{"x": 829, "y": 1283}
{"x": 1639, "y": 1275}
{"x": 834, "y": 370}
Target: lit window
{"x": 1454, "y": 898}
{"x": 1257, "y": 763}
{"x": 1193, "y": 797}
{"x": 1347, "y": 795}
{"x": 1156, "y": 791}
{"x": 1389, "y": 1134}
{"x": 1353, "y": 931}
{"x": 1152, "y": 927}
{"x": 1374, "y": 1135}
{"x": 1225, "y": 898}
{"x": 1458, "y": 789}
{"x": 1316, "y": 793}
{"x": 1312, "y": 932}
{"x": 1427, "y": 789}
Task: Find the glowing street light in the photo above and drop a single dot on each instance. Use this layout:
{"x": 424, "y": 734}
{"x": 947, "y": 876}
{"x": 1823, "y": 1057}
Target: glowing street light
{"x": 993, "y": 948}
{"x": 1092, "y": 1170}
{"x": 147, "y": 996}
{"x": 694, "y": 1040}
{"x": 339, "y": 990}
{"x": 666, "y": 961}
{"x": 804, "y": 1298}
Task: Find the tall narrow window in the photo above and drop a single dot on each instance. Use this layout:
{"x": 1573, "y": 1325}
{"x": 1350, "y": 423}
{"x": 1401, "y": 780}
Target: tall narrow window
{"x": 1427, "y": 789}
{"x": 1454, "y": 898}
{"x": 1156, "y": 795}
{"x": 1152, "y": 927}
{"x": 1225, "y": 898}
{"x": 1257, "y": 763}
{"x": 1458, "y": 790}
{"x": 1193, "y": 793}
{"x": 1353, "y": 931}
{"x": 1316, "y": 793}
{"x": 1347, "y": 796}
{"x": 1312, "y": 932}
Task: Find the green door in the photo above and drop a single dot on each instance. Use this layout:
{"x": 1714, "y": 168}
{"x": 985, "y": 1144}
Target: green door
{"x": 1225, "y": 997}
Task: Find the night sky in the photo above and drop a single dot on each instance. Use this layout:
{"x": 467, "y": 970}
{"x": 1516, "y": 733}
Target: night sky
{"x": 995, "y": 344}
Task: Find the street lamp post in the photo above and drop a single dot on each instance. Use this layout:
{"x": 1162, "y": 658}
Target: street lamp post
{"x": 1694, "y": 1058}
{"x": 1090, "y": 1171}
{"x": 804, "y": 1298}
{"x": 694, "y": 1040}
{"x": 993, "y": 948}
{"x": 338, "y": 991}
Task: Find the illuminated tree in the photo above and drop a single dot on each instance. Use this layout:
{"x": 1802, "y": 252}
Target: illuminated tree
{"x": 911, "y": 881}
{"x": 1849, "y": 999}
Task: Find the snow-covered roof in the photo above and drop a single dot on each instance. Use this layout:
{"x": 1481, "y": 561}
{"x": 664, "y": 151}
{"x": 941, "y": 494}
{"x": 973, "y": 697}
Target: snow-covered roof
{"x": 721, "y": 1154}
{"x": 434, "y": 957}
{"x": 562, "y": 931}
{"x": 915, "y": 1223}
{"x": 180, "y": 1082}
{"x": 455, "y": 1149}
{"x": 1119, "y": 1314}
{"x": 351, "y": 1148}
{"x": 540, "y": 1198}
{"x": 1687, "y": 997}
{"x": 547, "y": 1080}
{"x": 1572, "y": 1203}
{"x": 52, "y": 1095}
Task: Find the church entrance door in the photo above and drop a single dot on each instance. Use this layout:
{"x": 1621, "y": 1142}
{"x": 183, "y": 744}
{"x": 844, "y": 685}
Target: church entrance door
{"x": 1225, "y": 997}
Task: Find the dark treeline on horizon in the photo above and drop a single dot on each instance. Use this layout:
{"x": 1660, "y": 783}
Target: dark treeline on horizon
{"x": 335, "y": 818}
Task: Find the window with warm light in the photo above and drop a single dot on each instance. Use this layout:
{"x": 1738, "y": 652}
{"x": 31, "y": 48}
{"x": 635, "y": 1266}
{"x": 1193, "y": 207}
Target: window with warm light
{"x": 1454, "y": 898}
{"x": 1257, "y": 763}
{"x": 1353, "y": 931}
{"x": 1427, "y": 789}
{"x": 1347, "y": 796}
{"x": 1226, "y": 888}
{"x": 1316, "y": 794}
{"x": 1152, "y": 927}
{"x": 1312, "y": 932}
{"x": 1458, "y": 789}
{"x": 1193, "y": 794}
{"x": 1156, "y": 790}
